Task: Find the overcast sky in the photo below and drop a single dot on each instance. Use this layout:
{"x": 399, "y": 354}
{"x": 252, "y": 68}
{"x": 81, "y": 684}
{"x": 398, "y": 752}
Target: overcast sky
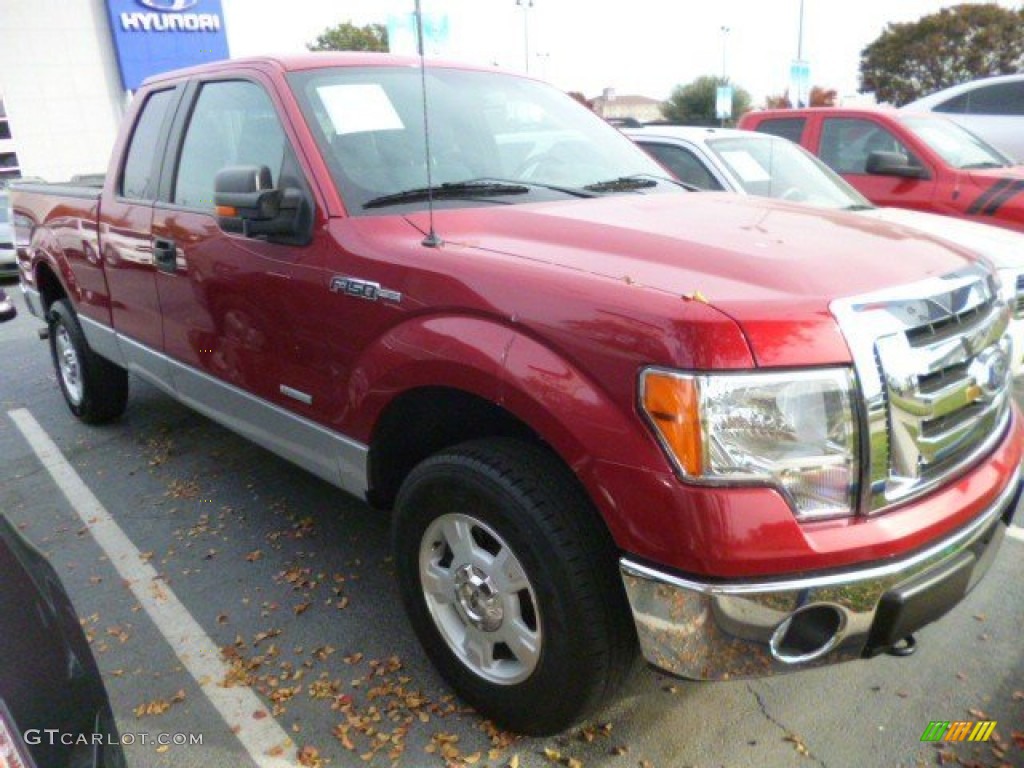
{"x": 636, "y": 46}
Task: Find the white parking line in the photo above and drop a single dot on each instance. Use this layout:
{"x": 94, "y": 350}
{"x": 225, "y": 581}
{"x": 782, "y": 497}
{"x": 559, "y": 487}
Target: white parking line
{"x": 261, "y": 735}
{"x": 1015, "y": 532}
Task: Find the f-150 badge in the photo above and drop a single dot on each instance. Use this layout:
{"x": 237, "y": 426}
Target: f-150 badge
{"x": 363, "y": 289}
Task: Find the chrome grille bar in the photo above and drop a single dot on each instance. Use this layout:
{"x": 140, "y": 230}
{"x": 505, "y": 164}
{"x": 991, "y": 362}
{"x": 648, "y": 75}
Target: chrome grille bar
{"x": 932, "y": 361}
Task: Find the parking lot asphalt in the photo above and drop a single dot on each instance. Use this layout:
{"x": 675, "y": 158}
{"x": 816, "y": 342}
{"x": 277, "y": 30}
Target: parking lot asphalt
{"x": 292, "y": 583}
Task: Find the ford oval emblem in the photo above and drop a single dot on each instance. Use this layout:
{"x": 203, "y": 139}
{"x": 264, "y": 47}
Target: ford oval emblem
{"x": 169, "y": 6}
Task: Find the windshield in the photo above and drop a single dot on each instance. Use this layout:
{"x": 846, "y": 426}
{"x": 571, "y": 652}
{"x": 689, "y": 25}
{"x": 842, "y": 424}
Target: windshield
{"x": 771, "y": 167}
{"x": 484, "y": 126}
{"x": 956, "y": 145}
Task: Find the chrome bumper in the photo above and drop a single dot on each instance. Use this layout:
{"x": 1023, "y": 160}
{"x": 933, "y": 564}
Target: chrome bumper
{"x": 34, "y": 301}
{"x": 718, "y": 631}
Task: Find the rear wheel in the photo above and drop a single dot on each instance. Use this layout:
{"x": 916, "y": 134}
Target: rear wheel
{"x": 511, "y": 583}
{"x": 95, "y": 389}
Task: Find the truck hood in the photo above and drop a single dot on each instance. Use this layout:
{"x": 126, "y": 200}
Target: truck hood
{"x": 1003, "y": 247}
{"x": 773, "y": 267}
{"x": 985, "y": 176}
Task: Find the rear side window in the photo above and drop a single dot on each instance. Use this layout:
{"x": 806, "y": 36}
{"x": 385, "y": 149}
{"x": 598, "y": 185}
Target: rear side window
{"x": 998, "y": 99}
{"x": 233, "y": 123}
{"x": 791, "y": 128}
{"x": 955, "y": 106}
{"x": 141, "y": 165}
{"x": 683, "y": 164}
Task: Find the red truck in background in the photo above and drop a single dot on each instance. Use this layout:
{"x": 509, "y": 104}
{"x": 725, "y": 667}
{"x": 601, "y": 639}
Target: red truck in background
{"x": 906, "y": 160}
{"x": 752, "y": 436}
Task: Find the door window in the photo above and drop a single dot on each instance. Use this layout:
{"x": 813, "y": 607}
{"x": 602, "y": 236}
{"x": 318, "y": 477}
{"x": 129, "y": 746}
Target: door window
{"x": 683, "y": 164}
{"x": 846, "y": 143}
{"x": 233, "y": 123}
{"x": 141, "y": 165}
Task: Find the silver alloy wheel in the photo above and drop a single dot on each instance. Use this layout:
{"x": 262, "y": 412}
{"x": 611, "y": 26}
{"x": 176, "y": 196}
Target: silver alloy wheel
{"x": 480, "y": 598}
{"x": 69, "y": 365}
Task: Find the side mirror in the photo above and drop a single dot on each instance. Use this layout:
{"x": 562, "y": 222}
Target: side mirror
{"x": 893, "y": 164}
{"x": 247, "y": 203}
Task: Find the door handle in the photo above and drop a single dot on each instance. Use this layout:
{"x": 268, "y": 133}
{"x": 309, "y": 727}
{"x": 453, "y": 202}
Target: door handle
{"x": 165, "y": 255}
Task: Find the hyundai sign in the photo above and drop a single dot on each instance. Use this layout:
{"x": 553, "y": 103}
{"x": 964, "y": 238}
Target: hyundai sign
{"x": 154, "y": 36}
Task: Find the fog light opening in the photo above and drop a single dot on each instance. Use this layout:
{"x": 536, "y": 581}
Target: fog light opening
{"x": 808, "y": 634}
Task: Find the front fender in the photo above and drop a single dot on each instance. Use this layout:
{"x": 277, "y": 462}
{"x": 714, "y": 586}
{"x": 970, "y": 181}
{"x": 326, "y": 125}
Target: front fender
{"x": 499, "y": 363}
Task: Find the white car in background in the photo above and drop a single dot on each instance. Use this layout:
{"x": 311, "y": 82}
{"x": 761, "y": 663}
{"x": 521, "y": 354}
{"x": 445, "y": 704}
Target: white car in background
{"x": 992, "y": 108}
{"x": 8, "y": 258}
{"x": 759, "y": 164}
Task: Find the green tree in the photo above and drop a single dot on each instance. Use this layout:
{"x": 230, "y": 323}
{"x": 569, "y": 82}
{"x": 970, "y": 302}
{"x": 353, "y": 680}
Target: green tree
{"x": 953, "y": 46}
{"x": 348, "y": 37}
{"x": 694, "y": 103}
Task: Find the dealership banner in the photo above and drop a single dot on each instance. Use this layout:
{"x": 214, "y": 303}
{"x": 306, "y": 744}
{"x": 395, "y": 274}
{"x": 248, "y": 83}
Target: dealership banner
{"x": 154, "y": 36}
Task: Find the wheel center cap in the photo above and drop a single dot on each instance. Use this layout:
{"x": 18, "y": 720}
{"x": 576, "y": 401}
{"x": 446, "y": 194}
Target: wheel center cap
{"x": 478, "y": 599}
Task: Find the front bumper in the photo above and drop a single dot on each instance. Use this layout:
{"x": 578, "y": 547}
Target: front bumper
{"x": 755, "y": 628}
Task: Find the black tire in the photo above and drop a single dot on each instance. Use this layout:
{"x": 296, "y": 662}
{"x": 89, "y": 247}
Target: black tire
{"x": 533, "y": 504}
{"x": 94, "y": 388}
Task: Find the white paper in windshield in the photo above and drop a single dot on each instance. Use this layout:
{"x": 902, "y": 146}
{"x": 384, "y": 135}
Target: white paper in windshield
{"x": 357, "y": 107}
{"x": 746, "y": 166}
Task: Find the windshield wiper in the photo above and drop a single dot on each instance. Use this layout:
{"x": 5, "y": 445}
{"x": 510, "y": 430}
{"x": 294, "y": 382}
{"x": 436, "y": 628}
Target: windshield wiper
{"x": 859, "y": 207}
{"x": 635, "y": 182}
{"x": 533, "y": 184}
{"x": 983, "y": 164}
{"x": 448, "y": 191}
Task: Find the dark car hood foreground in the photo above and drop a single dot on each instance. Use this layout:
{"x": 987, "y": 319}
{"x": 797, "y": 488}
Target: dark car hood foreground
{"x": 48, "y": 678}
{"x": 767, "y": 264}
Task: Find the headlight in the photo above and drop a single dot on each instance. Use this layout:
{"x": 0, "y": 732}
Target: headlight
{"x": 796, "y": 431}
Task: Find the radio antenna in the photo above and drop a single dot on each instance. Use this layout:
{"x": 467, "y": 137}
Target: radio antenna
{"x": 431, "y": 240}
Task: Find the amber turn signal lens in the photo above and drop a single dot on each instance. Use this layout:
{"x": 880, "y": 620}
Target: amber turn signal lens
{"x": 227, "y": 210}
{"x": 672, "y": 403}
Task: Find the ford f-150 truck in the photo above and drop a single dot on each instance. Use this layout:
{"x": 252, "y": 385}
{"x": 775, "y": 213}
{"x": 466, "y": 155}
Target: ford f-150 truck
{"x": 750, "y": 436}
{"x": 910, "y": 160}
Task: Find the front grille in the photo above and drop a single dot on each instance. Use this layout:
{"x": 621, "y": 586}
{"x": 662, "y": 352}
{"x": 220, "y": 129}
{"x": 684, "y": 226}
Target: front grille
{"x": 933, "y": 362}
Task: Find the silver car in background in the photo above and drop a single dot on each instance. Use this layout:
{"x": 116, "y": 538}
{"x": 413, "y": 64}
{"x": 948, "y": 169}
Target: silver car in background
{"x": 991, "y": 108}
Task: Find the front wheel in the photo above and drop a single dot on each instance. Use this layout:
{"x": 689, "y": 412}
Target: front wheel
{"x": 95, "y": 389}
{"x": 511, "y": 584}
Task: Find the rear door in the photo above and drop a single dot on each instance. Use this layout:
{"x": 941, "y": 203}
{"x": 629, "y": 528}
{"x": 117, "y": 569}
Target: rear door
{"x": 126, "y": 222}
{"x": 844, "y": 144}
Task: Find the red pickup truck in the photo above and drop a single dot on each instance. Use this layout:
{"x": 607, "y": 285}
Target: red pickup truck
{"x": 906, "y": 160}
{"x": 752, "y": 436}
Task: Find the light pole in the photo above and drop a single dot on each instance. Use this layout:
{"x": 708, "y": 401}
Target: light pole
{"x": 725, "y": 77}
{"x": 526, "y": 6}
{"x": 725, "y": 40}
{"x": 800, "y": 34}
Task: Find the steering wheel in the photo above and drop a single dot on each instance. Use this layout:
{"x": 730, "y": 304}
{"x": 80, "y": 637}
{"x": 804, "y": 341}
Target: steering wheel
{"x": 793, "y": 194}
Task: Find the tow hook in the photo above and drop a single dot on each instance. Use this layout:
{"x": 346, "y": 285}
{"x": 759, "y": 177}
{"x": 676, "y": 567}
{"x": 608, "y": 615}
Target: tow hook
{"x": 904, "y": 647}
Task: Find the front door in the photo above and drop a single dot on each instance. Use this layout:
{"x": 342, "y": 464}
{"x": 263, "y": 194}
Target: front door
{"x": 845, "y": 144}
{"x": 239, "y": 309}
